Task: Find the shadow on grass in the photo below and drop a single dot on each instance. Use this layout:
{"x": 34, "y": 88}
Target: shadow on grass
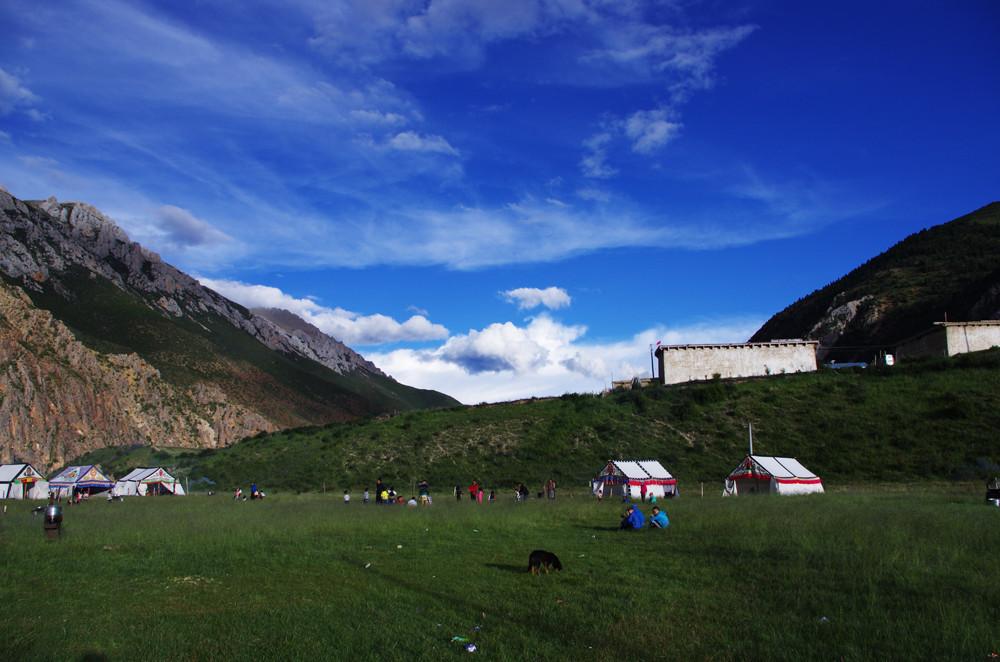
{"x": 506, "y": 567}
{"x": 596, "y": 528}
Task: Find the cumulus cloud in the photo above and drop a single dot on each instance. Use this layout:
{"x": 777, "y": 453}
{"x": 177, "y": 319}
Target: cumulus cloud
{"x": 532, "y": 297}
{"x": 349, "y": 327}
{"x": 542, "y": 358}
{"x": 182, "y": 229}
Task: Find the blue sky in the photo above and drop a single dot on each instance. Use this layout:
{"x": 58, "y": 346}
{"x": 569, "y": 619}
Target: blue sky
{"x": 508, "y": 199}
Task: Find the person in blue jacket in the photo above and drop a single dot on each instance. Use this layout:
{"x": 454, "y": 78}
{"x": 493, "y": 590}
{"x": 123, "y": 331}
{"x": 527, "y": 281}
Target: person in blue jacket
{"x": 658, "y": 519}
{"x": 633, "y": 519}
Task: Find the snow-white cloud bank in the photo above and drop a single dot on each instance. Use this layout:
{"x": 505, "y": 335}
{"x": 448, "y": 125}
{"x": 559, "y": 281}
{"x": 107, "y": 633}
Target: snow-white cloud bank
{"x": 540, "y": 358}
{"x": 346, "y": 326}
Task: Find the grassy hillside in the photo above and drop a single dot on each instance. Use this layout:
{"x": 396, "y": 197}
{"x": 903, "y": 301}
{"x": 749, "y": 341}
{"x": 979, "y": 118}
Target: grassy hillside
{"x": 938, "y": 272}
{"x": 935, "y": 418}
{"x": 289, "y": 390}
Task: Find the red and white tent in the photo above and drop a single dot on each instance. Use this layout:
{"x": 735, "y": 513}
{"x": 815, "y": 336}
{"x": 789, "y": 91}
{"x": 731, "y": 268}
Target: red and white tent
{"x": 765, "y": 474}
{"x": 627, "y": 477}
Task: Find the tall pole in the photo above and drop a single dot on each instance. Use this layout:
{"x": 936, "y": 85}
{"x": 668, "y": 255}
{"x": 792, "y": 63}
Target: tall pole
{"x": 750, "y": 426}
{"x": 652, "y": 371}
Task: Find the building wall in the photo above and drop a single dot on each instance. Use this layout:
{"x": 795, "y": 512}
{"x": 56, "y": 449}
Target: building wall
{"x": 951, "y": 338}
{"x": 972, "y": 337}
{"x": 685, "y": 363}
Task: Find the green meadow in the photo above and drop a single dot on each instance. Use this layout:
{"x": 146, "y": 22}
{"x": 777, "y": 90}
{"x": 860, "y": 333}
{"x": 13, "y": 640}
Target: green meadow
{"x": 858, "y": 574}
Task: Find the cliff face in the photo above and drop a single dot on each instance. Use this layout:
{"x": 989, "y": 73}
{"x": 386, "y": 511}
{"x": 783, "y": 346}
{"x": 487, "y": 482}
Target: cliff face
{"x": 60, "y": 399}
{"x": 102, "y": 343}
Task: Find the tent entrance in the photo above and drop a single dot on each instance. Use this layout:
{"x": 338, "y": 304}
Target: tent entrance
{"x": 753, "y": 485}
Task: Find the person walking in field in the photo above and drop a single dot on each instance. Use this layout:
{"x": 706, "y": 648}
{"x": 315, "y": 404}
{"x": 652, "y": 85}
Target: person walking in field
{"x": 347, "y": 498}
{"x": 550, "y": 487}
{"x": 379, "y": 488}
{"x": 424, "y": 491}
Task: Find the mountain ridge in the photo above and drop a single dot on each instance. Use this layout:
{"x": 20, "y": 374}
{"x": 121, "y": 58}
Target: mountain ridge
{"x": 217, "y": 365}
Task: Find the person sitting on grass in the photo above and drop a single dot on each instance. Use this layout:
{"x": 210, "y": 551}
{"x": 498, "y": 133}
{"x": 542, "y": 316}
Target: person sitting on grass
{"x": 633, "y": 519}
{"x": 658, "y": 519}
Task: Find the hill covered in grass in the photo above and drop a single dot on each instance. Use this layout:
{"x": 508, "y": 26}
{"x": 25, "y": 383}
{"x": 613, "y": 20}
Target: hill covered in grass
{"x": 935, "y": 418}
{"x": 950, "y": 271}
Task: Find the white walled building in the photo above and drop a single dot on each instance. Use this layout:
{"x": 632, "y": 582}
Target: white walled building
{"x": 951, "y": 338}
{"x": 685, "y": 363}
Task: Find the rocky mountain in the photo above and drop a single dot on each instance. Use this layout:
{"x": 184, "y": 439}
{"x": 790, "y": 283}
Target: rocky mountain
{"x": 948, "y": 272}
{"x": 315, "y": 344}
{"x": 102, "y": 343}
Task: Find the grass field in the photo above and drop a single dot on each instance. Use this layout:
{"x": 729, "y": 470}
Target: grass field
{"x": 859, "y": 574}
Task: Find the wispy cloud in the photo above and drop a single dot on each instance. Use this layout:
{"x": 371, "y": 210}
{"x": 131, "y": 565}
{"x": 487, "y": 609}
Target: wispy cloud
{"x": 14, "y": 95}
{"x": 413, "y": 142}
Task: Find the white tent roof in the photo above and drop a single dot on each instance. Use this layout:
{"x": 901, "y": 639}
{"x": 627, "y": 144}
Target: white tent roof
{"x": 654, "y": 469}
{"x": 9, "y": 472}
{"x": 782, "y": 467}
{"x": 135, "y": 474}
{"x": 631, "y": 469}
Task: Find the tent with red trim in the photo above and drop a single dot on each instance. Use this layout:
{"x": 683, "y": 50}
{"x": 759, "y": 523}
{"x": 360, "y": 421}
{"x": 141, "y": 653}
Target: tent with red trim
{"x": 628, "y": 477}
{"x": 764, "y": 474}
{"x": 22, "y": 481}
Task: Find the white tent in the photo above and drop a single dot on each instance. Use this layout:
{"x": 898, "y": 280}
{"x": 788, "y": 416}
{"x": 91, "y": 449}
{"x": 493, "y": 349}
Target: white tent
{"x": 143, "y": 481}
{"x": 22, "y": 481}
{"x": 86, "y": 478}
{"x": 627, "y": 477}
{"x": 764, "y": 474}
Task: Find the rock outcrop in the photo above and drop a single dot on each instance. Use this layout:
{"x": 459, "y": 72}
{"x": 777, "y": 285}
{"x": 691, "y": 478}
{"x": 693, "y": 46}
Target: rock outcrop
{"x": 59, "y": 399}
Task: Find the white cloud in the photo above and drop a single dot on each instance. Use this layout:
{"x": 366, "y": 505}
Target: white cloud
{"x": 594, "y": 162}
{"x": 414, "y": 142}
{"x": 650, "y": 130}
{"x": 544, "y": 358}
{"x": 532, "y": 297}
{"x": 348, "y": 327}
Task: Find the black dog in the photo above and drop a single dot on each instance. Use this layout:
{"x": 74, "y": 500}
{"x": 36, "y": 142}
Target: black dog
{"x": 539, "y": 559}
